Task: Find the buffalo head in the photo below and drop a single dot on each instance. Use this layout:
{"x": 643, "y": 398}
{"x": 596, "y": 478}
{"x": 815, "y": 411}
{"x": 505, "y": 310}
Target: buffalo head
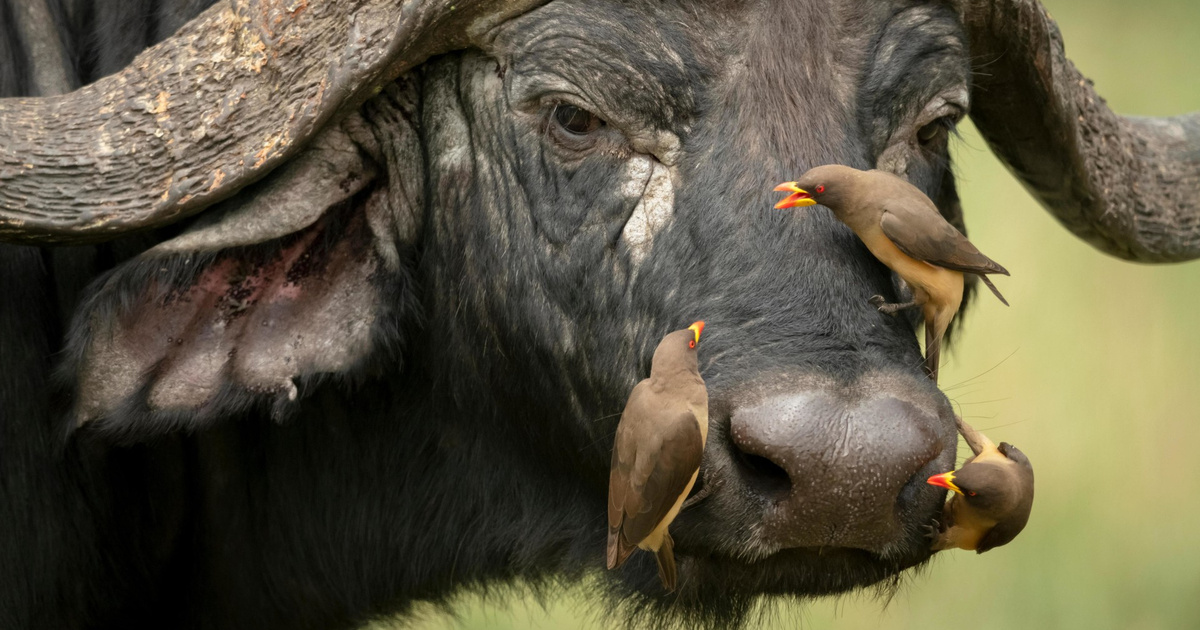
{"x": 440, "y": 241}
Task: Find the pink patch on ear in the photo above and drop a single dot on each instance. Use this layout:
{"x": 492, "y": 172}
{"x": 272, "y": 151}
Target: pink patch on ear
{"x": 250, "y": 321}
{"x": 237, "y": 289}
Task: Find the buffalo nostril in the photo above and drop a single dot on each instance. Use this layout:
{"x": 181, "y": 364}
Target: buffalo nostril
{"x": 842, "y": 468}
{"x": 764, "y": 476}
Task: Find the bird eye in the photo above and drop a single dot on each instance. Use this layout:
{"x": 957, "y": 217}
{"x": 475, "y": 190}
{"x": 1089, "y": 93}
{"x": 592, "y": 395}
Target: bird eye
{"x": 970, "y": 494}
{"x": 820, "y": 189}
{"x": 692, "y": 343}
{"x": 575, "y": 120}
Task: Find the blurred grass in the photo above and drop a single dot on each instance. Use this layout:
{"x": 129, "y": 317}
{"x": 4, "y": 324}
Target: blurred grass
{"x": 1092, "y": 372}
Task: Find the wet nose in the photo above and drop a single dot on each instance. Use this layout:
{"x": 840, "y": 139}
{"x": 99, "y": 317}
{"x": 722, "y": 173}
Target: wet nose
{"x": 843, "y": 468}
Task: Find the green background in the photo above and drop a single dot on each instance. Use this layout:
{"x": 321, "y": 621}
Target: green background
{"x": 1092, "y": 372}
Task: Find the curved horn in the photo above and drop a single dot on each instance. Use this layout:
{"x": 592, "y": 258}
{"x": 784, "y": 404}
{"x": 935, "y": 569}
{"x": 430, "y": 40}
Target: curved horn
{"x": 229, "y": 97}
{"x": 1129, "y": 186}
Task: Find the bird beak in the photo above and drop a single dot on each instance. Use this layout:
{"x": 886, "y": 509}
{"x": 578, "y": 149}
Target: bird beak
{"x": 798, "y": 199}
{"x": 697, "y": 328}
{"x": 944, "y": 480}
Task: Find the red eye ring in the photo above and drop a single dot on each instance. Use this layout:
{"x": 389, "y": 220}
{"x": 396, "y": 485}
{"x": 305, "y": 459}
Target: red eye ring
{"x": 820, "y": 189}
{"x": 971, "y": 494}
{"x": 692, "y": 343}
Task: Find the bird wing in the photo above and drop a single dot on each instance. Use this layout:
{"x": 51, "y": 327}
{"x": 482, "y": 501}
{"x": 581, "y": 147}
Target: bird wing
{"x": 1001, "y": 534}
{"x": 1016, "y": 513}
{"x": 653, "y": 461}
{"x": 920, "y": 231}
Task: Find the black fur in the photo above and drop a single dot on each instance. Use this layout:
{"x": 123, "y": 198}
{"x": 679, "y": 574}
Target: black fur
{"x": 522, "y": 318}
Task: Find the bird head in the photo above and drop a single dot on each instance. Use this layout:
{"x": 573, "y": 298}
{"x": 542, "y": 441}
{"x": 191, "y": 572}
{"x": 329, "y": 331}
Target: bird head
{"x": 696, "y": 329}
{"x": 979, "y": 484}
{"x": 677, "y": 350}
{"x": 992, "y": 487}
{"x": 826, "y": 185}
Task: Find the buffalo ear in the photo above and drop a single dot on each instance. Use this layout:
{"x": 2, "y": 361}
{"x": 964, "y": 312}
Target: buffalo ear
{"x": 301, "y": 278}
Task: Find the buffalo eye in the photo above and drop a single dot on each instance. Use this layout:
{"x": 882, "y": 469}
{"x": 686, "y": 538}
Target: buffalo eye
{"x": 575, "y": 120}
{"x": 936, "y": 129}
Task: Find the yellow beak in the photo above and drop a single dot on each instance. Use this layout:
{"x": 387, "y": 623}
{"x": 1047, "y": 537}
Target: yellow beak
{"x": 697, "y": 328}
{"x": 798, "y": 199}
{"x": 944, "y": 480}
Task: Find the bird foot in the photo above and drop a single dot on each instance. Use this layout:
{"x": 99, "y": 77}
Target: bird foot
{"x": 889, "y": 308}
{"x": 934, "y": 533}
{"x": 700, "y": 495}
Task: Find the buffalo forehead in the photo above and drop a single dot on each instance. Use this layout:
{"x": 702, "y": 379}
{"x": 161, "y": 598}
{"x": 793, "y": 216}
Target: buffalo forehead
{"x": 750, "y": 92}
{"x": 641, "y": 64}
{"x": 920, "y": 53}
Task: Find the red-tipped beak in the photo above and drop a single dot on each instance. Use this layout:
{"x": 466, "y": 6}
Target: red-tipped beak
{"x": 697, "y": 328}
{"x": 798, "y": 199}
{"x": 944, "y": 480}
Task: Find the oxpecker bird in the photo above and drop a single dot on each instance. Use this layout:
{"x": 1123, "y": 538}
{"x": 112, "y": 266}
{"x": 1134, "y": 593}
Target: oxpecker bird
{"x": 993, "y": 495}
{"x": 657, "y": 453}
{"x": 905, "y": 231}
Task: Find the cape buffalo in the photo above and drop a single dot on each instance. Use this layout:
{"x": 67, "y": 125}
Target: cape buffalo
{"x": 317, "y": 309}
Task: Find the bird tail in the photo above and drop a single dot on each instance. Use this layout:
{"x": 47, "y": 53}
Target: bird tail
{"x": 933, "y": 350}
{"x": 995, "y": 291}
{"x": 976, "y": 440}
{"x": 666, "y": 562}
{"x": 618, "y": 549}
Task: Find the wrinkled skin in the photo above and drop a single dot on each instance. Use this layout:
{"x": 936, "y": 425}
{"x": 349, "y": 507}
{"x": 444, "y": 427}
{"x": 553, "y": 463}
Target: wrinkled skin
{"x": 785, "y": 295}
{"x": 537, "y": 271}
{"x": 719, "y": 256}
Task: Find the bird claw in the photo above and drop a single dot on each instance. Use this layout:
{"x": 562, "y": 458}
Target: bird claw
{"x": 881, "y": 303}
{"x": 933, "y": 530}
{"x": 700, "y": 495}
{"x": 889, "y": 308}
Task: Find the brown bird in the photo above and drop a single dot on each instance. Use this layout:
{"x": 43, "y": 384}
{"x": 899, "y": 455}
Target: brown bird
{"x": 993, "y": 495}
{"x": 905, "y": 231}
{"x": 657, "y": 453}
